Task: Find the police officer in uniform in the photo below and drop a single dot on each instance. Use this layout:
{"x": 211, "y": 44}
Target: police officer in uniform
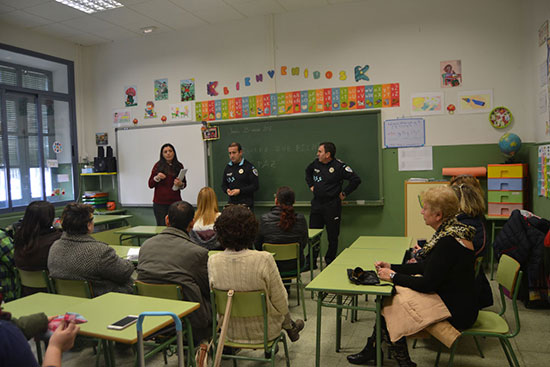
{"x": 240, "y": 178}
{"x": 325, "y": 177}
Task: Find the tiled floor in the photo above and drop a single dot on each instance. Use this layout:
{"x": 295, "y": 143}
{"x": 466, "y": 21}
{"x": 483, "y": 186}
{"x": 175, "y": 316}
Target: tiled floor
{"x": 532, "y": 345}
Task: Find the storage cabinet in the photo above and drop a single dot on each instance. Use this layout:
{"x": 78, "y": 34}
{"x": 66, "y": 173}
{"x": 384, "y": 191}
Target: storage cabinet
{"x": 507, "y": 188}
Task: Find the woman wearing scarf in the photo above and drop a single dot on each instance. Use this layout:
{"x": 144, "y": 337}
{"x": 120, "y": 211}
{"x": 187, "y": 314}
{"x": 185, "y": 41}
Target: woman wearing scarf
{"x": 447, "y": 269}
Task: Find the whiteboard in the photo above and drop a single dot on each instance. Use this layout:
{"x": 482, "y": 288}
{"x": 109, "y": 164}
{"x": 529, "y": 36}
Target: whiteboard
{"x": 404, "y": 133}
{"x": 138, "y": 149}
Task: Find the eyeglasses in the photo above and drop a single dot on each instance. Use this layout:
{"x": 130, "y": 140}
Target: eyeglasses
{"x": 420, "y": 202}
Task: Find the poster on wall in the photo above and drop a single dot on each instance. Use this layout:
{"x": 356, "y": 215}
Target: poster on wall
{"x": 451, "y": 73}
{"x": 543, "y": 33}
{"x": 130, "y": 96}
{"x": 480, "y": 101}
{"x": 161, "y": 89}
{"x": 182, "y": 112}
{"x": 121, "y": 116}
{"x": 427, "y": 104}
{"x": 187, "y": 90}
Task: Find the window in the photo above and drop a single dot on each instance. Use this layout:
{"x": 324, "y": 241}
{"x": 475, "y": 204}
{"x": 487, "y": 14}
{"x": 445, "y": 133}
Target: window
{"x": 37, "y": 129}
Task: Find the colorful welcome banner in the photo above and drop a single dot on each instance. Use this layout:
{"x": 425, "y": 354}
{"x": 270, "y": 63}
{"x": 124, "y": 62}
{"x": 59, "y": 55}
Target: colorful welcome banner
{"x": 315, "y": 100}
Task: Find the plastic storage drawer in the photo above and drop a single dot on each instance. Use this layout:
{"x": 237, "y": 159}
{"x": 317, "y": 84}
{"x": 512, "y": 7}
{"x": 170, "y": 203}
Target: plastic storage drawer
{"x": 507, "y": 170}
{"x": 515, "y": 197}
{"x": 502, "y": 210}
{"x": 510, "y": 184}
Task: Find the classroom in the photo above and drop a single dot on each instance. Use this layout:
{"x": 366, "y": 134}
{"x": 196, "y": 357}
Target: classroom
{"x": 240, "y": 48}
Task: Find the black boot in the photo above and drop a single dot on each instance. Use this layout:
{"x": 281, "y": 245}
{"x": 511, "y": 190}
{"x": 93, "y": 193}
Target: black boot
{"x": 367, "y": 355}
{"x": 400, "y": 353}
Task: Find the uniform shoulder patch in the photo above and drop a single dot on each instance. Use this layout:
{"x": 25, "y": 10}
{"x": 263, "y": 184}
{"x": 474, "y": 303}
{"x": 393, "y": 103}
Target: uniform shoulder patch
{"x": 348, "y": 168}
{"x": 255, "y": 171}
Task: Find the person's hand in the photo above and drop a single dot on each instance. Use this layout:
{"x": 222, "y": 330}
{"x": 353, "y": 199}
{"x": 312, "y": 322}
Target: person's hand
{"x": 384, "y": 273}
{"x": 178, "y": 182}
{"x": 342, "y": 196}
{"x": 228, "y": 191}
{"x": 236, "y": 192}
{"x": 416, "y": 248}
{"x": 160, "y": 176}
{"x": 64, "y": 336}
{"x": 311, "y": 188}
{"x": 50, "y": 318}
{"x": 382, "y": 265}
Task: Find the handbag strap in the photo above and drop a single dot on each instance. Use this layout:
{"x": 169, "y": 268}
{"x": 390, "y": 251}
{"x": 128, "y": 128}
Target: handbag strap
{"x": 225, "y": 324}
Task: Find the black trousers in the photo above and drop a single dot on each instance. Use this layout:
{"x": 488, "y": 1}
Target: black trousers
{"x": 160, "y": 210}
{"x": 327, "y": 213}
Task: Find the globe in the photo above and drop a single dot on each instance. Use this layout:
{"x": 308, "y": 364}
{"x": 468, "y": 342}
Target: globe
{"x": 509, "y": 144}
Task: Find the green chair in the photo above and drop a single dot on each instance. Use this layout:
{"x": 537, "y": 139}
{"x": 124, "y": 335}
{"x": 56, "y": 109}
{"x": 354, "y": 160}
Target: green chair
{"x": 166, "y": 291}
{"x": 246, "y": 304}
{"x": 285, "y": 252}
{"x": 34, "y": 279}
{"x": 74, "y": 288}
{"x": 492, "y": 324}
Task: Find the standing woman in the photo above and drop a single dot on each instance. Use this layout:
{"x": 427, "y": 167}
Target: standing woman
{"x": 33, "y": 239}
{"x": 164, "y": 179}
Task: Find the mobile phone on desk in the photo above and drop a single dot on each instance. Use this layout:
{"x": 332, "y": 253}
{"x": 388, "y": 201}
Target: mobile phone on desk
{"x": 123, "y": 323}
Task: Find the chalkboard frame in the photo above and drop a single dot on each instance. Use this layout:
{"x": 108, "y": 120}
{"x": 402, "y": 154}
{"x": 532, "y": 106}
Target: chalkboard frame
{"x": 302, "y": 203}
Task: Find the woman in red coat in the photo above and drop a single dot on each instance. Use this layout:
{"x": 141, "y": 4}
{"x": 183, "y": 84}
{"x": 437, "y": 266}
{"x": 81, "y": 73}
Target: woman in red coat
{"x": 164, "y": 179}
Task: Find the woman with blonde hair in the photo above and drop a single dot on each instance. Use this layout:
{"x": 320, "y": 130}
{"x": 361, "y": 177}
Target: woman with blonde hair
{"x": 203, "y": 233}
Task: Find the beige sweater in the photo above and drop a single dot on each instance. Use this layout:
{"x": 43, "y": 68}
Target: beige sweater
{"x": 250, "y": 270}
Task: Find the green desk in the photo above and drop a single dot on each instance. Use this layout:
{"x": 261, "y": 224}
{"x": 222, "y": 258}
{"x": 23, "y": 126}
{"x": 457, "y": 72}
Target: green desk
{"x": 109, "y": 219}
{"x": 139, "y": 232}
{"x": 497, "y": 222}
{"x": 334, "y": 279}
{"x": 50, "y": 304}
{"x": 109, "y": 212}
{"x": 122, "y": 251}
{"x": 383, "y": 242}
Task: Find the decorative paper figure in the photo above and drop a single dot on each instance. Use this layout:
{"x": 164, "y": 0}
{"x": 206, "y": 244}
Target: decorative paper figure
{"x": 121, "y": 116}
{"x": 135, "y": 121}
{"x": 187, "y": 90}
{"x": 57, "y": 147}
{"x": 150, "y": 110}
{"x": 101, "y": 139}
{"x": 475, "y": 101}
{"x": 427, "y": 104}
{"x": 161, "y": 89}
{"x": 130, "y": 96}
{"x": 361, "y": 73}
{"x": 211, "y": 89}
{"x": 163, "y": 118}
{"x": 451, "y": 73}
{"x": 451, "y": 109}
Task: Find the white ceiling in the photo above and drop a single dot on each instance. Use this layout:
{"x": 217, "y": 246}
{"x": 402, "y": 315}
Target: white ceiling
{"x": 60, "y": 21}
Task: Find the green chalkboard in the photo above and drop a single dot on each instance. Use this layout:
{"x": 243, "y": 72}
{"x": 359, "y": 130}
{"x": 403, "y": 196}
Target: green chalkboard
{"x": 282, "y": 147}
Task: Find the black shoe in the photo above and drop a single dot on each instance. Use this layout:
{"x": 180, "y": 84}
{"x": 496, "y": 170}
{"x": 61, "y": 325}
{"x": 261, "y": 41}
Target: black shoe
{"x": 294, "y": 332}
{"x": 400, "y": 353}
{"x": 367, "y": 356}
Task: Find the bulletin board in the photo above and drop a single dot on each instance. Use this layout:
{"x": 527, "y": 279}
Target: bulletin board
{"x": 414, "y": 222}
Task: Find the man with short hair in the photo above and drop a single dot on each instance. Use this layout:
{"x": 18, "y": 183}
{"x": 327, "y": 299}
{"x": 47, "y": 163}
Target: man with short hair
{"x": 324, "y": 177}
{"x": 171, "y": 257}
{"x": 240, "y": 178}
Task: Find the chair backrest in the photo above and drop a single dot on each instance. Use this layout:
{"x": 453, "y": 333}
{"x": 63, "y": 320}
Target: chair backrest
{"x": 287, "y": 251}
{"x": 244, "y": 304}
{"x": 509, "y": 279}
{"x": 477, "y": 265}
{"x": 34, "y": 279}
{"x": 75, "y": 288}
{"x": 166, "y": 291}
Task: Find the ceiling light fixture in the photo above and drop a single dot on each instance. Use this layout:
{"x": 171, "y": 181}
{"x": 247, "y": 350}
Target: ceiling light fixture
{"x": 91, "y": 6}
{"x": 148, "y": 30}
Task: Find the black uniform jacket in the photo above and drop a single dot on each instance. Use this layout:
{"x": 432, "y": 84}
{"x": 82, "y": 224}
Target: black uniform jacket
{"x": 327, "y": 179}
{"x": 242, "y": 176}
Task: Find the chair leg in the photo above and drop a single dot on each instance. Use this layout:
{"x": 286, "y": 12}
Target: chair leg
{"x": 438, "y": 356}
{"x": 452, "y": 356}
{"x": 287, "y": 359}
{"x": 478, "y": 347}
{"x": 511, "y": 350}
{"x": 414, "y": 344}
{"x": 301, "y": 294}
{"x": 505, "y": 349}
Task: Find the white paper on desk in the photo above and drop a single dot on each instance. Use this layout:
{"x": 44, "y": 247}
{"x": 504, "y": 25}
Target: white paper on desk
{"x": 181, "y": 176}
{"x": 415, "y": 159}
{"x": 133, "y": 253}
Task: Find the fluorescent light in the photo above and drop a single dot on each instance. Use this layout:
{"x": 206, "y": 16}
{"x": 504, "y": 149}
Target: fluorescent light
{"x": 147, "y": 30}
{"x": 91, "y": 6}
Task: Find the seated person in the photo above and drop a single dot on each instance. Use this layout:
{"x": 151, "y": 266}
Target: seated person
{"x": 79, "y": 256}
{"x": 241, "y": 269}
{"x": 33, "y": 239}
{"x": 171, "y": 257}
{"x": 203, "y": 233}
{"x": 16, "y": 351}
{"x": 447, "y": 269}
{"x": 471, "y": 213}
{"x": 282, "y": 225}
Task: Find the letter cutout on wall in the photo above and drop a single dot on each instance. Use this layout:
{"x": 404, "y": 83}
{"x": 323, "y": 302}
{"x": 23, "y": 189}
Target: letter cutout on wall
{"x": 247, "y": 81}
{"x": 271, "y": 73}
{"x": 211, "y": 89}
{"x": 361, "y": 73}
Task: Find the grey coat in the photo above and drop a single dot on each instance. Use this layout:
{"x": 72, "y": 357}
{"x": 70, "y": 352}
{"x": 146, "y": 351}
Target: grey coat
{"x": 171, "y": 257}
{"x": 82, "y": 257}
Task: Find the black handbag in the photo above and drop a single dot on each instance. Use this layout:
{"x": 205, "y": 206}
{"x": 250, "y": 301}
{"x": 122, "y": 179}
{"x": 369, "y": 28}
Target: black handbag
{"x": 363, "y": 277}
